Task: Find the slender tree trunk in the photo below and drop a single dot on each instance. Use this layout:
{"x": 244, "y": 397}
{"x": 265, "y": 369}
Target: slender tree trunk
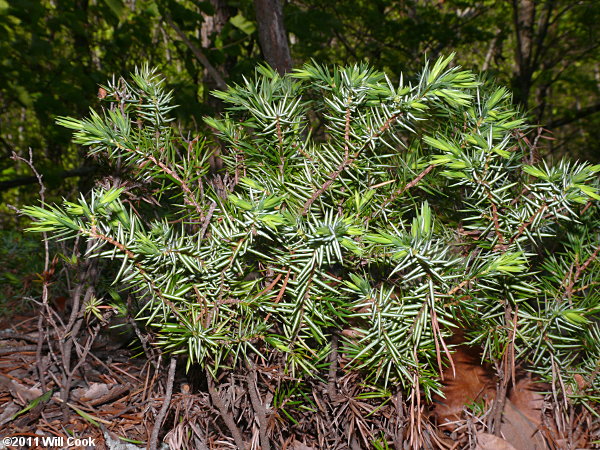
{"x": 272, "y": 35}
{"x": 524, "y": 17}
{"x": 211, "y": 28}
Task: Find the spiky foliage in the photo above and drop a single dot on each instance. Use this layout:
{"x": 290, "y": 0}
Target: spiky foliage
{"x": 352, "y": 208}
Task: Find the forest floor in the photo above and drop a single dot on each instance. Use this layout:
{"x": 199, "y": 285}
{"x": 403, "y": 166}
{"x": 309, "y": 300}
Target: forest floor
{"x": 116, "y": 396}
{"x": 111, "y": 398}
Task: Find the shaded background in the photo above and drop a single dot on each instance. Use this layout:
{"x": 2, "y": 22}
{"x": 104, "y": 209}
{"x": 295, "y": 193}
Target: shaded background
{"x": 55, "y": 53}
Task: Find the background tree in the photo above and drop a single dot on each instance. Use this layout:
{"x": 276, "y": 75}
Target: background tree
{"x": 272, "y": 35}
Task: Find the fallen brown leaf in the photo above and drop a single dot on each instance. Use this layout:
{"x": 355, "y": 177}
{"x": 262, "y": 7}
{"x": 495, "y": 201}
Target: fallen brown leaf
{"x": 19, "y": 391}
{"x": 525, "y": 397}
{"x": 522, "y": 433}
{"x": 472, "y": 382}
{"x": 94, "y": 391}
{"x": 486, "y": 441}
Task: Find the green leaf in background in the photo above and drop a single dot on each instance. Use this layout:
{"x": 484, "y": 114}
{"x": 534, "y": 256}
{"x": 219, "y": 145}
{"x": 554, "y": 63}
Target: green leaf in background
{"x": 245, "y": 25}
{"x": 118, "y": 8}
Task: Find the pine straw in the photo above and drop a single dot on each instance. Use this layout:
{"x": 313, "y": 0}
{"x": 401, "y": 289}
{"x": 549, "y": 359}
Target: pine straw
{"x": 325, "y": 414}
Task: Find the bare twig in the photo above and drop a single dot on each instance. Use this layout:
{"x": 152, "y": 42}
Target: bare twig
{"x": 496, "y": 220}
{"x": 258, "y": 407}
{"x": 400, "y": 413}
{"x": 495, "y": 418}
{"x": 11, "y": 334}
{"x": 68, "y": 338}
{"x": 211, "y": 210}
{"x": 83, "y": 352}
{"x": 40, "y": 365}
{"x": 153, "y": 445}
{"x": 16, "y": 349}
{"x": 506, "y": 373}
{"x": 200, "y": 56}
{"x": 227, "y": 418}
{"x": 281, "y": 292}
{"x": 333, "y": 367}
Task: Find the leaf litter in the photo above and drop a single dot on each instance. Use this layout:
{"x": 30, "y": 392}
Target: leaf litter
{"x": 117, "y": 399}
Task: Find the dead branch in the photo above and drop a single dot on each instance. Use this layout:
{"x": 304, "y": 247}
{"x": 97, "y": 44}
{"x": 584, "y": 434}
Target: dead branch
{"x": 218, "y": 402}
{"x": 153, "y": 444}
{"x": 200, "y": 56}
{"x": 259, "y": 409}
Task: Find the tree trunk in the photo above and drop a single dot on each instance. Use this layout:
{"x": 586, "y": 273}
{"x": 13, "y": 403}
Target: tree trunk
{"x": 272, "y": 36}
{"x": 212, "y": 27}
{"x": 523, "y": 16}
